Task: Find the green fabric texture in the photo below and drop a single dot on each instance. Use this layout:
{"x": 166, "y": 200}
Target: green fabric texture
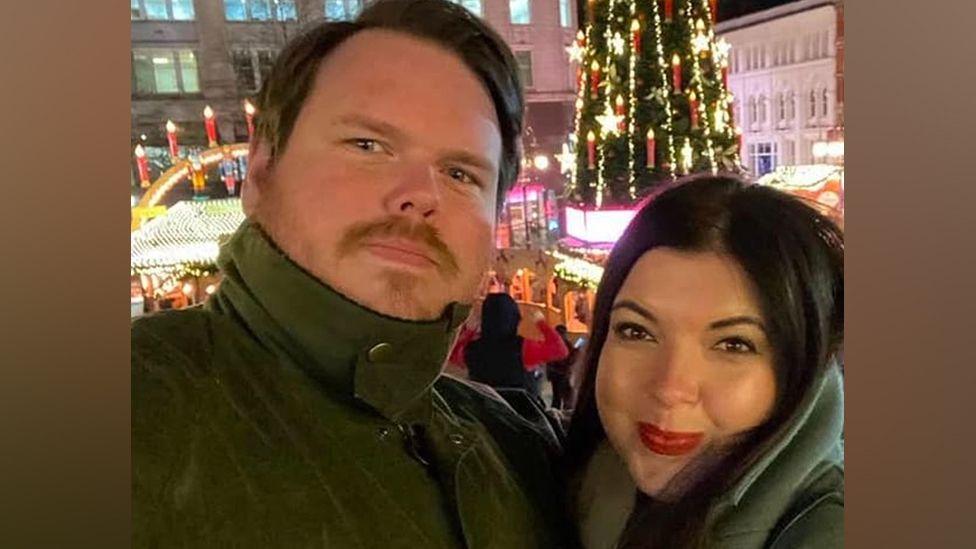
{"x": 281, "y": 414}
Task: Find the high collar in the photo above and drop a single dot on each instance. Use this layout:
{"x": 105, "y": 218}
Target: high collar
{"x": 385, "y": 362}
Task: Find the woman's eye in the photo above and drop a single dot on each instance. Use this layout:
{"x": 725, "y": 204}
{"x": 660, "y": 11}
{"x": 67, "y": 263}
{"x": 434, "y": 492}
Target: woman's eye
{"x": 460, "y": 175}
{"x": 736, "y": 345}
{"x": 629, "y": 331}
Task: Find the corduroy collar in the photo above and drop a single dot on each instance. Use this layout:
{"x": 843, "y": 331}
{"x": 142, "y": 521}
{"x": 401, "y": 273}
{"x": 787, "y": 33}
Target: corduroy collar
{"x": 388, "y": 363}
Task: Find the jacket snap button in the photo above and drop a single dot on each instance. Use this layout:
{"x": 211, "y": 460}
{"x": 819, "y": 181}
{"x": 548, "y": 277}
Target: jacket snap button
{"x": 383, "y": 432}
{"x": 382, "y": 352}
{"x": 456, "y": 439}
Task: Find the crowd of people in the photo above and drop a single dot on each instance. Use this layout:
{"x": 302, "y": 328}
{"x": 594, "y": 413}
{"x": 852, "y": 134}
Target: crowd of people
{"x": 305, "y": 404}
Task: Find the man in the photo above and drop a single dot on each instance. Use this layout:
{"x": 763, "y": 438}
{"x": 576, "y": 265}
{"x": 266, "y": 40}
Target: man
{"x": 302, "y": 405}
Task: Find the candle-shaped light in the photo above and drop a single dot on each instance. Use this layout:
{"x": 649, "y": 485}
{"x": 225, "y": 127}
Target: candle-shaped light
{"x": 668, "y": 9}
{"x": 713, "y": 9}
{"x": 635, "y": 35}
{"x": 693, "y": 109}
{"x": 594, "y": 78}
{"x": 619, "y": 111}
{"x": 589, "y": 11}
{"x": 591, "y": 150}
{"x": 174, "y": 146}
{"x": 651, "y": 148}
{"x": 210, "y": 123}
{"x": 143, "y": 164}
{"x": 249, "y": 111}
{"x": 725, "y": 76}
{"x": 676, "y": 71}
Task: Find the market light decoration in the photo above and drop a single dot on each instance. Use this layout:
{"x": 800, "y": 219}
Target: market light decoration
{"x": 210, "y": 124}
{"x": 597, "y": 226}
{"x": 142, "y": 163}
{"x": 249, "y": 112}
{"x": 577, "y": 270}
{"x": 576, "y": 50}
{"x": 696, "y": 81}
{"x": 181, "y": 170}
{"x": 174, "y": 147}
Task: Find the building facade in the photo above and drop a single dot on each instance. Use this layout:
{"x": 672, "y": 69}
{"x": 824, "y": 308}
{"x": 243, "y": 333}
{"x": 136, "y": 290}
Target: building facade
{"x": 189, "y": 54}
{"x": 786, "y": 76}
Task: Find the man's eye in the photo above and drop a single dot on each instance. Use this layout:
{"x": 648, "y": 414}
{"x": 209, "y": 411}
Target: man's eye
{"x": 367, "y": 145}
{"x": 464, "y": 177}
{"x": 628, "y": 331}
{"x": 736, "y": 345}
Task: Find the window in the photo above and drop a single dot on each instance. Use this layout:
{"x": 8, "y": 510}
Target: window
{"x": 342, "y": 10}
{"x": 812, "y": 108}
{"x": 762, "y": 157}
{"x": 762, "y": 109}
{"x": 753, "y": 113}
{"x": 824, "y": 101}
{"x": 781, "y": 107}
{"x": 164, "y": 72}
{"x": 474, "y": 6}
{"x": 565, "y": 19}
{"x": 169, "y": 10}
{"x": 524, "y": 60}
{"x": 252, "y": 68}
{"x": 791, "y": 106}
{"x": 260, "y": 10}
{"x": 521, "y": 11}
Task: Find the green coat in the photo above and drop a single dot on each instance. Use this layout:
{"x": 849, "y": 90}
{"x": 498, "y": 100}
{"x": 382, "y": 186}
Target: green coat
{"x": 281, "y": 414}
{"x": 792, "y": 498}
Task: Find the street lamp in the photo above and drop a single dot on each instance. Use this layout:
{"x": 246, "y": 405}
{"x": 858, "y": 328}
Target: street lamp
{"x": 541, "y": 162}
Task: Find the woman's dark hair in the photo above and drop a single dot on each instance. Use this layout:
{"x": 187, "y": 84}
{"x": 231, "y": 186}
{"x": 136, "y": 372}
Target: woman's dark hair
{"x": 794, "y": 257}
{"x": 500, "y": 316}
{"x": 446, "y": 24}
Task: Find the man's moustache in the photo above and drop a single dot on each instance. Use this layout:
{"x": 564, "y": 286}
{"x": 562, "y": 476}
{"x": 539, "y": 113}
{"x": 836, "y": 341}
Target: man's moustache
{"x": 422, "y": 233}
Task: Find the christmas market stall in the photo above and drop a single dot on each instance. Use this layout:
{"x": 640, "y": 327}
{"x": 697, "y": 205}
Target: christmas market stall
{"x": 822, "y": 185}
{"x": 174, "y": 255}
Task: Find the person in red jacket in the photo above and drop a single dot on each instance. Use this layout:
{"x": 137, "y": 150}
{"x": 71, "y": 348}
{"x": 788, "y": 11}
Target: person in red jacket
{"x": 499, "y": 357}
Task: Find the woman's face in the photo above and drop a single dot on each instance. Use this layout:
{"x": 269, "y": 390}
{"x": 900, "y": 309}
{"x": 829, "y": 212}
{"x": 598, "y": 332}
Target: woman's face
{"x": 686, "y": 366}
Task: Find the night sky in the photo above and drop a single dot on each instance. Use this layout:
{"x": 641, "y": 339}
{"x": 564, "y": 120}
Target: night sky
{"x": 729, "y": 9}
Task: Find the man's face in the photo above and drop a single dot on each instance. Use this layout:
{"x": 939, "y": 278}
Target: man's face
{"x": 386, "y": 187}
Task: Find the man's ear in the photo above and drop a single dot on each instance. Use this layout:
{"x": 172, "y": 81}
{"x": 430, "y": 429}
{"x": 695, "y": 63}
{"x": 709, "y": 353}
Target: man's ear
{"x": 258, "y": 175}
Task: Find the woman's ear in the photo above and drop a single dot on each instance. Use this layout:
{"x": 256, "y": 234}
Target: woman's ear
{"x": 258, "y": 175}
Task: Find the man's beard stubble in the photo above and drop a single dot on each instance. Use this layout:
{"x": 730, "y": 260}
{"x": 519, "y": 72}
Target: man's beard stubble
{"x": 404, "y": 291}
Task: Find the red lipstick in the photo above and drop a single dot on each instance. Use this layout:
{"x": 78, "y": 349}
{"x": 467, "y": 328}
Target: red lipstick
{"x": 668, "y": 443}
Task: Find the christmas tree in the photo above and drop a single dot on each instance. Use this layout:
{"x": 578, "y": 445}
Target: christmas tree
{"x": 652, "y": 102}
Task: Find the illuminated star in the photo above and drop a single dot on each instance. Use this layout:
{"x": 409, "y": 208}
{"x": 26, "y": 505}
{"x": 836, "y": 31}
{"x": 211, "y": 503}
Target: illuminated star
{"x": 609, "y": 121}
{"x": 722, "y": 48}
{"x": 567, "y": 160}
{"x": 699, "y": 43}
{"x": 575, "y": 52}
{"x": 618, "y": 44}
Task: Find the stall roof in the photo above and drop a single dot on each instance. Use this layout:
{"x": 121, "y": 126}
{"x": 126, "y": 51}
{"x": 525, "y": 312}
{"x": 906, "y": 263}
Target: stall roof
{"x": 186, "y": 239}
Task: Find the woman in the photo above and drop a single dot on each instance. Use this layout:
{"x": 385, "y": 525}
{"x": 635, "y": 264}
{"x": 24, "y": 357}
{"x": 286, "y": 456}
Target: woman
{"x": 710, "y": 411}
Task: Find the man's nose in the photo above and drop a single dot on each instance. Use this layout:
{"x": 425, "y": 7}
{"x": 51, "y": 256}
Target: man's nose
{"x": 416, "y": 193}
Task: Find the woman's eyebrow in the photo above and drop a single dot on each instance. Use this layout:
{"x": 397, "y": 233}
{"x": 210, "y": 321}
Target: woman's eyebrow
{"x": 736, "y": 321}
{"x": 633, "y": 306}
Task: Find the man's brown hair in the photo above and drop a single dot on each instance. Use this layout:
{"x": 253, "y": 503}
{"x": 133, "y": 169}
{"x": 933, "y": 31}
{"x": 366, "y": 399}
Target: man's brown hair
{"x": 446, "y": 24}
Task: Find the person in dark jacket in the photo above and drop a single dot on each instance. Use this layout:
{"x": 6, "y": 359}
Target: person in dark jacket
{"x": 500, "y": 357}
{"x": 559, "y": 372}
{"x": 711, "y": 408}
{"x": 303, "y": 404}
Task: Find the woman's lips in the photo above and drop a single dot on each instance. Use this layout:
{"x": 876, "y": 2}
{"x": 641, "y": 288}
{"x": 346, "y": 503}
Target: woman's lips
{"x": 668, "y": 443}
